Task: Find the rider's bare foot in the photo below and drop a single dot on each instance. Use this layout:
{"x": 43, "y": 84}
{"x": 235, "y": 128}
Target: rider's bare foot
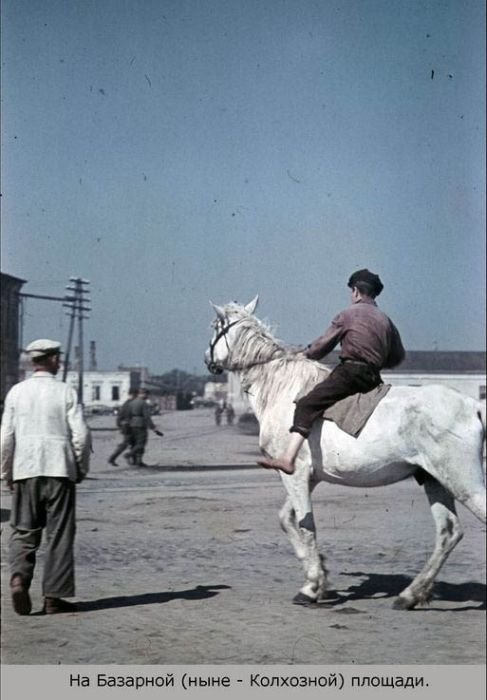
{"x": 283, "y": 464}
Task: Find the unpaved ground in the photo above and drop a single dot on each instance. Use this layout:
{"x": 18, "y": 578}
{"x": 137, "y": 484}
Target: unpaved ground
{"x": 189, "y": 566}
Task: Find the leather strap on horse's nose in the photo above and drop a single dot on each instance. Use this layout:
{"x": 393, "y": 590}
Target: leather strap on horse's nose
{"x": 221, "y": 334}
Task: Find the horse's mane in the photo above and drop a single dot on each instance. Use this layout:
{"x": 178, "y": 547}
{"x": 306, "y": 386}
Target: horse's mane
{"x": 257, "y": 353}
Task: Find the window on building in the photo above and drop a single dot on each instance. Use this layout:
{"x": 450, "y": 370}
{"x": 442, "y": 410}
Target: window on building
{"x": 115, "y": 393}
{"x": 482, "y": 392}
{"x": 95, "y": 392}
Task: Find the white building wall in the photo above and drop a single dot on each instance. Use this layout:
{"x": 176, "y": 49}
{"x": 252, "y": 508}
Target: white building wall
{"x": 470, "y": 384}
{"x": 236, "y": 397}
{"x": 102, "y": 388}
{"x": 216, "y": 391}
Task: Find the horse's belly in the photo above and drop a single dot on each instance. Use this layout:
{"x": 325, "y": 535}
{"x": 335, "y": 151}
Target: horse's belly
{"x": 371, "y": 460}
{"x": 365, "y": 475}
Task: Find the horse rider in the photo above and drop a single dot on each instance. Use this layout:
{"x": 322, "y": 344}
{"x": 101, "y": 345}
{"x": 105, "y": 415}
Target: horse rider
{"x": 369, "y": 342}
{"x": 139, "y": 417}
{"x": 123, "y": 423}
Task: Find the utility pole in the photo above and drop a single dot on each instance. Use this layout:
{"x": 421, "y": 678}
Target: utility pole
{"x": 72, "y": 307}
{"x": 76, "y": 302}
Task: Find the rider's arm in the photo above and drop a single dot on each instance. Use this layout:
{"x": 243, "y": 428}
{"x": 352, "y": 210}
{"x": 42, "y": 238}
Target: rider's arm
{"x": 396, "y": 350}
{"x": 326, "y": 342}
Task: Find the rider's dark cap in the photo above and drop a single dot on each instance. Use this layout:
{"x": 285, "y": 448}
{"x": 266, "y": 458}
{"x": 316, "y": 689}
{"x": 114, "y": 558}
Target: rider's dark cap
{"x": 369, "y": 278}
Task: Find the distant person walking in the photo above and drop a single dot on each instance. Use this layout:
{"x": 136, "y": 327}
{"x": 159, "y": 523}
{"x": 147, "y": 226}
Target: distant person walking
{"x": 45, "y": 449}
{"x": 140, "y": 421}
{"x": 123, "y": 423}
{"x": 218, "y": 413}
{"x": 230, "y": 414}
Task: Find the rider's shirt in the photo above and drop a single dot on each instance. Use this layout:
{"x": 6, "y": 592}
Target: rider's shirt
{"x": 365, "y": 334}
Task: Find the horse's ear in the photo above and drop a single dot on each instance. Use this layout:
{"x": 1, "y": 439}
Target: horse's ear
{"x": 219, "y": 311}
{"x": 251, "y": 307}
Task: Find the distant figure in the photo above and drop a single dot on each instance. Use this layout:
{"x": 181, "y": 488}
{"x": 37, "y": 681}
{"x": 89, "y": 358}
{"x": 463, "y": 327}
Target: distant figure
{"x": 230, "y": 414}
{"x": 45, "y": 449}
{"x": 369, "y": 341}
{"x": 140, "y": 421}
{"x": 123, "y": 423}
{"x": 219, "y": 409}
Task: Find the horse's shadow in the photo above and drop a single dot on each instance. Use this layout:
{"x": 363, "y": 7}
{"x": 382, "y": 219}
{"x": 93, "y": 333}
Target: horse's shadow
{"x": 390, "y": 585}
{"x": 197, "y": 593}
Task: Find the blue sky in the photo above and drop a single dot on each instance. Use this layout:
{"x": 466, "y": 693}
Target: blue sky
{"x": 176, "y": 151}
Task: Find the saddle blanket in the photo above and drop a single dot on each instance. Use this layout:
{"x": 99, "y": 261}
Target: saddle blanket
{"x": 351, "y": 414}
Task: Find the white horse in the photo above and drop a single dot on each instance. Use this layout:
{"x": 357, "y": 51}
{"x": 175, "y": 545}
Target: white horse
{"x": 432, "y": 432}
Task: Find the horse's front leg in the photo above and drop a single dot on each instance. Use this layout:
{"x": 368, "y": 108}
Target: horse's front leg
{"x": 296, "y": 517}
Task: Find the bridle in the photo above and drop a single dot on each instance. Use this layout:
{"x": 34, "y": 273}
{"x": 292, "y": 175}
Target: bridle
{"x": 212, "y": 365}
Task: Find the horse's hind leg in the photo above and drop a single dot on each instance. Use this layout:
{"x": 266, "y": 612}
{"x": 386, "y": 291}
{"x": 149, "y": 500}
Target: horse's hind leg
{"x": 448, "y": 534}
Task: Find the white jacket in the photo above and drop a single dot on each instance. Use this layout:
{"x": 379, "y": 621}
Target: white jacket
{"x": 43, "y": 431}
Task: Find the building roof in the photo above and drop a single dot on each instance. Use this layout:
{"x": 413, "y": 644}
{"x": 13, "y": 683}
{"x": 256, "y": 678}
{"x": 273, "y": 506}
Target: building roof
{"x": 10, "y": 279}
{"x": 434, "y": 361}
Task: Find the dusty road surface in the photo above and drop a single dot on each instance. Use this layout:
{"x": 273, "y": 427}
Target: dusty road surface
{"x": 185, "y": 563}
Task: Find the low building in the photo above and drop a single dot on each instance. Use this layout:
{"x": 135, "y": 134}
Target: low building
{"x": 10, "y": 323}
{"x": 472, "y": 384}
{"x": 216, "y": 391}
{"x": 103, "y": 391}
{"x": 463, "y": 371}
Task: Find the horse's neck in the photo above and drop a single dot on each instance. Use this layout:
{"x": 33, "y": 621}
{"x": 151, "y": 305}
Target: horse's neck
{"x": 280, "y": 380}
{"x": 269, "y": 373}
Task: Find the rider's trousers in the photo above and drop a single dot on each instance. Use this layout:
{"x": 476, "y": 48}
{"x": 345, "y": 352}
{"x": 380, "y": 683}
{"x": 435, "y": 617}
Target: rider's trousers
{"x": 346, "y": 379}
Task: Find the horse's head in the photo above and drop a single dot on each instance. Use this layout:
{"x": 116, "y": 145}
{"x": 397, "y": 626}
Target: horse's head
{"x": 226, "y": 324}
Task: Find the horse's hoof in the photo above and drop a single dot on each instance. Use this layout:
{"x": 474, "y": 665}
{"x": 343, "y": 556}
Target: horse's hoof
{"x": 403, "y": 604}
{"x": 303, "y": 599}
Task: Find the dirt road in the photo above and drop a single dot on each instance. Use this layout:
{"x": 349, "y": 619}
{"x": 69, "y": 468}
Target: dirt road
{"x": 189, "y": 566}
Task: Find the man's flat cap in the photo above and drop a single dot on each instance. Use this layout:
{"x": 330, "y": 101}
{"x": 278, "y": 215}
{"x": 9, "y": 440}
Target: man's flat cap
{"x": 43, "y": 347}
{"x": 367, "y": 277}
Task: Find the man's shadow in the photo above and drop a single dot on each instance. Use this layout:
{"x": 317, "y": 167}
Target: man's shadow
{"x": 390, "y": 585}
{"x": 197, "y": 593}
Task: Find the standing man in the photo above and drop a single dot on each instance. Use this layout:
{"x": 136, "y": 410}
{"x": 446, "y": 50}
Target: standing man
{"x": 369, "y": 341}
{"x": 140, "y": 420}
{"x": 45, "y": 450}
{"x": 123, "y": 423}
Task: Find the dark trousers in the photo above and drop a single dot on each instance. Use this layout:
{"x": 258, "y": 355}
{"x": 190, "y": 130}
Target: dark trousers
{"x": 346, "y": 379}
{"x": 140, "y": 436}
{"x": 127, "y": 441}
{"x": 44, "y": 503}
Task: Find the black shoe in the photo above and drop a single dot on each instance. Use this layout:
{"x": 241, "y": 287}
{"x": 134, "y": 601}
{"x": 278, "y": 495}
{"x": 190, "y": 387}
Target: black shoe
{"x": 111, "y": 461}
{"x": 53, "y": 606}
{"x": 20, "y": 596}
